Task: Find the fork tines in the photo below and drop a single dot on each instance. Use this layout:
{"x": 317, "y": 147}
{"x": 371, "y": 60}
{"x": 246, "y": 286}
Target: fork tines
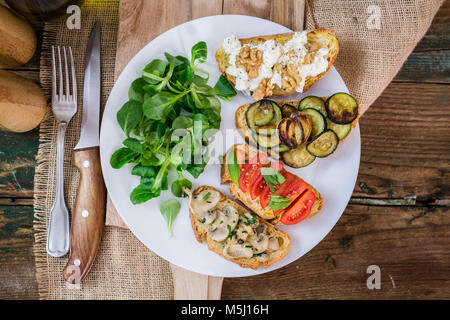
{"x": 58, "y": 95}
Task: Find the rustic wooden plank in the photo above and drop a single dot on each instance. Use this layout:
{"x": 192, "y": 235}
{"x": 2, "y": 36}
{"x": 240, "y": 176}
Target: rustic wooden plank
{"x": 138, "y": 21}
{"x": 17, "y": 163}
{"x": 409, "y": 245}
{"x": 404, "y": 144}
{"x": 437, "y": 36}
{"x": 17, "y": 271}
{"x": 430, "y": 66}
{"x": 285, "y": 12}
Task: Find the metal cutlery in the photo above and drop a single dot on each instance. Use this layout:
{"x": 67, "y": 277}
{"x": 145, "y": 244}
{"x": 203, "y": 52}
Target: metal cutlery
{"x": 89, "y": 210}
{"x": 64, "y": 107}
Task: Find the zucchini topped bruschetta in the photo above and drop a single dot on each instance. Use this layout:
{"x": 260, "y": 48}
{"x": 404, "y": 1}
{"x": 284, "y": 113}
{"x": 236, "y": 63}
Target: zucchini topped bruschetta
{"x": 277, "y": 65}
{"x": 233, "y": 232}
{"x": 266, "y": 188}
{"x": 298, "y": 131}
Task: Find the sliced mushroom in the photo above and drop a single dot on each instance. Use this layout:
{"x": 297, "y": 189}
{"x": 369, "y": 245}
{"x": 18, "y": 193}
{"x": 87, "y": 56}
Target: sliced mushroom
{"x": 243, "y": 231}
{"x": 274, "y": 244}
{"x": 261, "y": 228}
{"x": 234, "y": 251}
{"x": 218, "y": 234}
{"x": 225, "y": 222}
{"x": 248, "y": 217}
{"x": 204, "y": 201}
{"x": 259, "y": 242}
{"x": 262, "y": 257}
{"x": 210, "y": 216}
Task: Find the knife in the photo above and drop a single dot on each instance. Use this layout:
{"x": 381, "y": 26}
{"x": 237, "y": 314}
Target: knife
{"x": 89, "y": 210}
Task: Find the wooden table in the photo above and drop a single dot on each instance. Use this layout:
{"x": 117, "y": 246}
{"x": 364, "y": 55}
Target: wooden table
{"x": 398, "y": 217}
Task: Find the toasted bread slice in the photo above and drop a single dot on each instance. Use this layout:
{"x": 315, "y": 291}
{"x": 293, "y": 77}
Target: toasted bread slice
{"x": 319, "y": 38}
{"x": 267, "y": 213}
{"x": 245, "y": 131}
{"x": 272, "y": 244}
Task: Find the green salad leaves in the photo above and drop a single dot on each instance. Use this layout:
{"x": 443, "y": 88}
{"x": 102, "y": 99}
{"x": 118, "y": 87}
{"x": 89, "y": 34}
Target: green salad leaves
{"x": 168, "y": 120}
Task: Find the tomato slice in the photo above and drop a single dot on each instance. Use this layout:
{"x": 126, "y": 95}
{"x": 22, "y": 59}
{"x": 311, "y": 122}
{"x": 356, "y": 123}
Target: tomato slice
{"x": 300, "y": 209}
{"x": 257, "y": 187}
{"x": 240, "y": 156}
{"x": 264, "y": 198}
{"x": 250, "y": 171}
{"x": 258, "y": 184}
{"x": 292, "y": 192}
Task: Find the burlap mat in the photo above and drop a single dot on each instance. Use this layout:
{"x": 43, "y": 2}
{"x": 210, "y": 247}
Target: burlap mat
{"x": 371, "y": 54}
{"x": 124, "y": 268}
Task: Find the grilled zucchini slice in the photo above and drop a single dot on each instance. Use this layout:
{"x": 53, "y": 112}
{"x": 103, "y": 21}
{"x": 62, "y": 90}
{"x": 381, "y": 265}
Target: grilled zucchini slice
{"x": 287, "y": 109}
{"x": 280, "y": 148}
{"x": 323, "y": 145}
{"x": 263, "y": 117}
{"x": 267, "y": 141}
{"x": 298, "y": 157}
{"x": 341, "y": 130}
{"x": 313, "y": 102}
{"x": 341, "y": 108}
{"x": 318, "y": 121}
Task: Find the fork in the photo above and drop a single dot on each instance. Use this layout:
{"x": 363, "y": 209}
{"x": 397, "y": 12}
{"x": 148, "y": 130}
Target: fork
{"x": 64, "y": 107}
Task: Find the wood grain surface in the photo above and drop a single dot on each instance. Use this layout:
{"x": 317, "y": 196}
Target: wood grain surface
{"x": 398, "y": 217}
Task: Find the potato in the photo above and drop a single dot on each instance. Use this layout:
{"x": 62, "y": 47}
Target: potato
{"x": 18, "y": 40}
{"x": 22, "y": 103}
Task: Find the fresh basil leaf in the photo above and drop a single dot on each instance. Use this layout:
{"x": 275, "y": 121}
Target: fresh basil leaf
{"x": 173, "y": 60}
{"x": 121, "y": 157}
{"x": 149, "y": 90}
{"x": 195, "y": 169}
{"x": 133, "y": 144}
{"x": 165, "y": 182}
{"x": 182, "y": 122}
{"x": 233, "y": 167}
{"x": 158, "y": 106}
{"x": 136, "y": 91}
{"x": 129, "y": 116}
{"x": 149, "y": 159}
{"x": 199, "y": 52}
{"x": 144, "y": 171}
{"x": 154, "y": 72}
{"x": 272, "y": 177}
{"x": 178, "y": 185}
{"x": 223, "y": 89}
{"x": 182, "y": 74}
{"x": 169, "y": 211}
{"x": 147, "y": 181}
{"x": 201, "y": 101}
{"x": 142, "y": 193}
{"x": 199, "y": 81}
{"x": 278, "y": 202}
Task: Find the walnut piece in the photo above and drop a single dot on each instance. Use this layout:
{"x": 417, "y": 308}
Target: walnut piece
{"x": 264, "y": 89}
{"x": 250, "y": 60}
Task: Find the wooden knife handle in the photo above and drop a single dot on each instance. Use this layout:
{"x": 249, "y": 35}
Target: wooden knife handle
{"x": 88, "y": 215}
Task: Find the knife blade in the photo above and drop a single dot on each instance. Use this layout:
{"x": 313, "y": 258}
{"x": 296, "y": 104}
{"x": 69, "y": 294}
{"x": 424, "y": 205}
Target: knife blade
{"x": 89, "y": 209}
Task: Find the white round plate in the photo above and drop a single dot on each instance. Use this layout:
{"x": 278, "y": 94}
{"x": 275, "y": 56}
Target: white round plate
{"x": 334, "y": 177}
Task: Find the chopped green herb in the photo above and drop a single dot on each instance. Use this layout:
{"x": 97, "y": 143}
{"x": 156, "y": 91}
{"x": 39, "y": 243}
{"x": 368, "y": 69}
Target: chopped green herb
{"x": 230, "y": 233}
{"x": 206, "y": 196}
